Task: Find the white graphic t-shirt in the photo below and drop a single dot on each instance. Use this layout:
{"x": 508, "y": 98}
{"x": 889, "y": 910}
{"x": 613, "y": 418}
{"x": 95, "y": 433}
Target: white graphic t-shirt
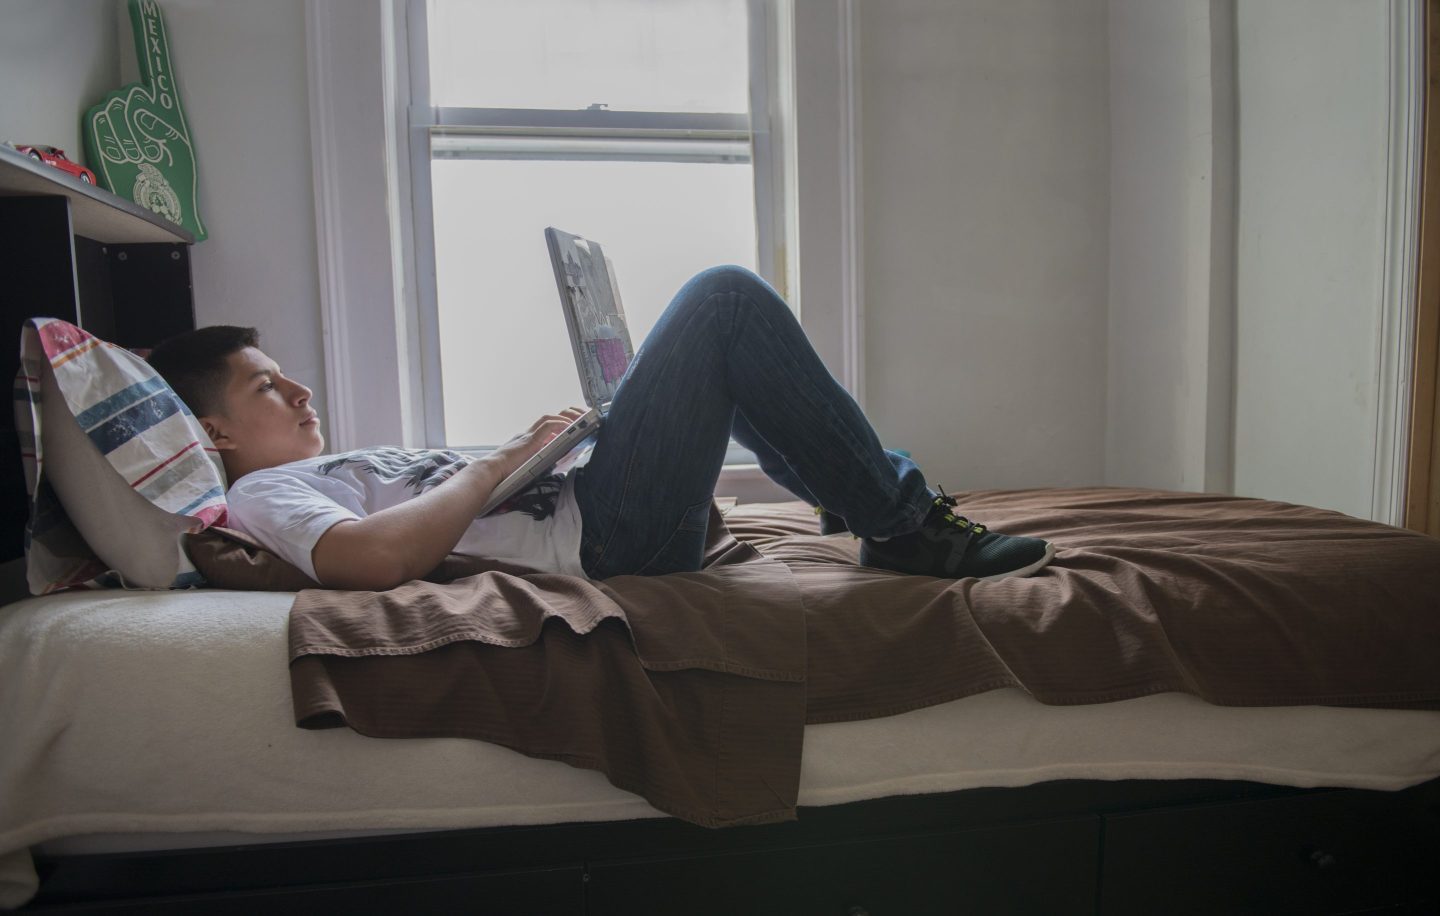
{"x": 288, "y": 508}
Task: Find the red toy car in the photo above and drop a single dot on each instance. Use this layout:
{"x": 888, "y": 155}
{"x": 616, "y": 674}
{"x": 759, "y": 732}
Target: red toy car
{"x": 56, "y": 157}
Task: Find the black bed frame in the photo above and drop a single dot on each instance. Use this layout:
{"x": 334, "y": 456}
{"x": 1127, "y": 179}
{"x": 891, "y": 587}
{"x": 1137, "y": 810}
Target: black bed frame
{"x": 1069, "y": 846}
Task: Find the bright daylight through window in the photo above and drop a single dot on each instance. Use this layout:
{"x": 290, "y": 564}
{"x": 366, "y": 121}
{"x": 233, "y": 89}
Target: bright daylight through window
{"x": 625, "y": 121}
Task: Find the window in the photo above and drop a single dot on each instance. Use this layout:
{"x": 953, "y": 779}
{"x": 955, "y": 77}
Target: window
{"x": 375, "y": 223}
{"x": 626, "y": 121}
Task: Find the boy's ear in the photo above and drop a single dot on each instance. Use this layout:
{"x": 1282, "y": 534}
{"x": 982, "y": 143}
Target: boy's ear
{"x": 215, "y": 431}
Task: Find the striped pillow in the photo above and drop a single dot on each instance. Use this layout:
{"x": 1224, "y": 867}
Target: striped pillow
{"x": 116, "y": 466}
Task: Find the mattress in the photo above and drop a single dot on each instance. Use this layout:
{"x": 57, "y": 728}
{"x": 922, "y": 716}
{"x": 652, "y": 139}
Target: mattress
{"x": 162, "y": 720}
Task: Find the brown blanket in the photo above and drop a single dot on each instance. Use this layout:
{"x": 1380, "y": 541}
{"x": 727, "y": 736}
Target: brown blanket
{"x": 693, "y": 690}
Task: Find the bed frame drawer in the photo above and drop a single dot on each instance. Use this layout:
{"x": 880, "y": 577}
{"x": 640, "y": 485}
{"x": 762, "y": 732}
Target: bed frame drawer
{"x": 1328, "y": 852}
{"x": 1043, "y": 867}
{"x": 536, "y": 892}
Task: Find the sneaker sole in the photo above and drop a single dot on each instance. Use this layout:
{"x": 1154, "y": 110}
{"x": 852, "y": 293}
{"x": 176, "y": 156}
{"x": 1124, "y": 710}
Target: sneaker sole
{"x": 1025, "y": 570}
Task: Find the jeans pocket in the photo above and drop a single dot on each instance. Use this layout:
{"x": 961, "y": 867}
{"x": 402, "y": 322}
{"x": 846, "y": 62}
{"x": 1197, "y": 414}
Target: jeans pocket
{"x": 685, "y": 549}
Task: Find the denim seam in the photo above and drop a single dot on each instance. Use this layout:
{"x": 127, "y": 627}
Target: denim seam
{"x": 630, "y": 458}
{"x": 760, "y": 316}
{"x": 854, "y": 445}
{"x": 641, "y": 570}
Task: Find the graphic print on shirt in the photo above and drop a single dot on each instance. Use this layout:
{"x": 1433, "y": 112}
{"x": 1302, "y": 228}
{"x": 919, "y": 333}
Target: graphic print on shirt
{"x": 423, "y": 469}
{"x": 419, "y": 469}
{"x": 537, "y": 501}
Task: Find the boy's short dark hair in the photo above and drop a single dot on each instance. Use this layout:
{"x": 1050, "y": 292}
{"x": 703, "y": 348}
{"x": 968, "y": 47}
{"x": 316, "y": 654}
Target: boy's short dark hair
{"x": 194, "y": 364}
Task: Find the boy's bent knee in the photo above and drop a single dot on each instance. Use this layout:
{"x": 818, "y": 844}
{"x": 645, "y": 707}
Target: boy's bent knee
{"x": 732, "y": 278}
{"x": 728, "y": 278}
{"x": 727, "y": 281}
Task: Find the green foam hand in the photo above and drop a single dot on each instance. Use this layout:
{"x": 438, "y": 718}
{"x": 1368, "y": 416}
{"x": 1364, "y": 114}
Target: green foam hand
{"x": 136, "y": 138}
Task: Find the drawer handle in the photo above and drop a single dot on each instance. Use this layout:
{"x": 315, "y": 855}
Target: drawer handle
{"x": 1322, "y": 859}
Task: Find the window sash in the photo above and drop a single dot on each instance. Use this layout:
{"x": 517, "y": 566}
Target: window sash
{"x": 487, "y": 145}
{"x": 587, "y": 134}
{"x": 587, "y": 120}
{"x": 634, "y": 136}
{"x": 369, "y": 246}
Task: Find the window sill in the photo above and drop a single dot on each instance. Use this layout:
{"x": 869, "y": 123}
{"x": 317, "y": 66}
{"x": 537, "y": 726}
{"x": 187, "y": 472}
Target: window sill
{"x": 748, "y": 484}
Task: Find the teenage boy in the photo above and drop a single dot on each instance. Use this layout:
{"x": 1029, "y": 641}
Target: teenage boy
{"x": 726, "y": 358}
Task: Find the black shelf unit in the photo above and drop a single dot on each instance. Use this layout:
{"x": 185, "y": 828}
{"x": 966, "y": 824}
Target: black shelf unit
{"x": 80, "y": 253}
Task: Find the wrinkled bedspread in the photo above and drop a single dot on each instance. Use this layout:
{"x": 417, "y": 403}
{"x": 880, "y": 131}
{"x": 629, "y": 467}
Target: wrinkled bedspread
{"x": 693, "y": 690}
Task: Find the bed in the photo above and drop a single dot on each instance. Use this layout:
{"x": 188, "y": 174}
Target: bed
{"x": 948, "y": 753}
{"x": 150, "y": 759}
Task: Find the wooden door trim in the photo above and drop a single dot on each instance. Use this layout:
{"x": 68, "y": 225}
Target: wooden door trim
{"x": 1422, "y": 492}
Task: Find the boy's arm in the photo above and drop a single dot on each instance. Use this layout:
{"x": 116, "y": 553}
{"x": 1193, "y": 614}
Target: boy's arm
{"x": 406, "y": 541}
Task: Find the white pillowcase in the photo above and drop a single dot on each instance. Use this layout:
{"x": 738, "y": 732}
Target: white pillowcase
{"x": 131, "y": 466}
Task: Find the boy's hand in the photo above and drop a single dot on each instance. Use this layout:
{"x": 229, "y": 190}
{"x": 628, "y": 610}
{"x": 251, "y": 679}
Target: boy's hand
{"x": 407, "y": 540}
{"x": 522, "y": 447}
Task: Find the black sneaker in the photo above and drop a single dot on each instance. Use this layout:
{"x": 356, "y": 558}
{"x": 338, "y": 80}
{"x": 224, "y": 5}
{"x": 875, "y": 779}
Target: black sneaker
{"x": 950, "y": 546}
{"x": 830, "y": 523}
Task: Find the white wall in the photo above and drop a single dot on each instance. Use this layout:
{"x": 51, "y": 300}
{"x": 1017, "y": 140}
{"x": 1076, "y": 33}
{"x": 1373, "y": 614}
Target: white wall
{"x": 57, "y": 58}
{"x": 1313, "y": 109}
{"x": 241, "y": 72}
{"x": 1172, "y": 242}
{"x": 1023, "y": 326}
{"x": 986, "y": 197}
{"x": 1249, "y": 183}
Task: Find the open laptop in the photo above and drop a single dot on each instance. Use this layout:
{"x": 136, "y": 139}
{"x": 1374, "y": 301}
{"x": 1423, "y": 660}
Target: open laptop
{"x": 595, "y": 319}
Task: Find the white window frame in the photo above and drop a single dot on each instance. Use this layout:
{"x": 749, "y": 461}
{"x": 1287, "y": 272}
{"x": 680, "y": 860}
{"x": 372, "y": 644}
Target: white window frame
{"x": 513, "y": 133}
{"x": 372, "y": 217}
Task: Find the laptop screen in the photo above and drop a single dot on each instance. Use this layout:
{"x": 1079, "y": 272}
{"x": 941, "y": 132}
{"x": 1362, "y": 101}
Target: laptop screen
{"x": 594, "y": 314}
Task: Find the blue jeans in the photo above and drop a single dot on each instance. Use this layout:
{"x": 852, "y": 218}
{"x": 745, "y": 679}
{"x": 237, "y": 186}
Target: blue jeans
{"x": 728, "y": 358}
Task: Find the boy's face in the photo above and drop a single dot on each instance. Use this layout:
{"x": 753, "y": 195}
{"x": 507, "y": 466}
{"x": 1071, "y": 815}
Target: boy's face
{"x": 267, "y": 419}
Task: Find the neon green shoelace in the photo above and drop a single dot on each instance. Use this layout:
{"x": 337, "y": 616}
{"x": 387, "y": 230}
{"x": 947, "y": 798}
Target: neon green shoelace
{"x": 960, "y": 521}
